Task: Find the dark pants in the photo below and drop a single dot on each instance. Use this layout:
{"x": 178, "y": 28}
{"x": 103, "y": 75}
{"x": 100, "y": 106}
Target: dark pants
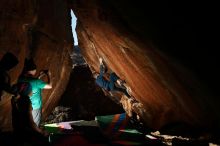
{"x": 113, "y": 87}
{"x": 113, "y": 79}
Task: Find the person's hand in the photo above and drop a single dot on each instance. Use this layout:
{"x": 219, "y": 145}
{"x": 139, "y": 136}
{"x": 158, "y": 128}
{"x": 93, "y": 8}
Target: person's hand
{"x": 121, "y": 82}
{"x": 44, "y": 72}
{"x": 100, "y": 60}
{"x": 41, "y": 72}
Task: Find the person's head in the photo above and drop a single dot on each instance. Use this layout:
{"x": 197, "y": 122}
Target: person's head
{"x": 32, "y": 72}
{"x": 30, "y": 67}
{"x": 8, "y": 61}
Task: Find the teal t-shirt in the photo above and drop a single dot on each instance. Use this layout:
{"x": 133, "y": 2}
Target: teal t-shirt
{"x": 37, "y": 85}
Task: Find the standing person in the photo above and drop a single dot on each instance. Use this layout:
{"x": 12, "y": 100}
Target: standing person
{"x": 24, "y": 127}
{"x": 110, "y": 85}
{"x": 7, "y": 62}
{"x": 29, "y": 75}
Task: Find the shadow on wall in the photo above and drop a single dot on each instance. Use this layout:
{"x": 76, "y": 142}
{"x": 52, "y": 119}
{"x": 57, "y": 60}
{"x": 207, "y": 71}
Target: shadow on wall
{"x": 7, "y": 62}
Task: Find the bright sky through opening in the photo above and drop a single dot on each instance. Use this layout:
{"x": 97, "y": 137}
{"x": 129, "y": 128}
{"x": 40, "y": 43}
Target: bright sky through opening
{"x": 73, "y": 24}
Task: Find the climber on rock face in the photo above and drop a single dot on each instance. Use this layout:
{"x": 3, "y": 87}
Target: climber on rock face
{"x": 113, "y": 84}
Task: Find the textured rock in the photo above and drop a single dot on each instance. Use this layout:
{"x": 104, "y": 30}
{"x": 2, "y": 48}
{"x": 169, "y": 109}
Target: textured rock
{"x": 168, "y": 91}
{"x": 130, "y": 47}
{"x": 48, "y": 41}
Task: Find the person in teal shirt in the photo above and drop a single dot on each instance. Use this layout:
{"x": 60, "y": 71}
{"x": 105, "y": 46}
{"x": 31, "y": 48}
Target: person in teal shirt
{"x": 28, "y": 75}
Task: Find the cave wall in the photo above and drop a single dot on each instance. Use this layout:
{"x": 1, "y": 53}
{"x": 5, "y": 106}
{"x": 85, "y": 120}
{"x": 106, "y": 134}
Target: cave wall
{"x": 48, "y": 39}
{"x": 133, "y": 43}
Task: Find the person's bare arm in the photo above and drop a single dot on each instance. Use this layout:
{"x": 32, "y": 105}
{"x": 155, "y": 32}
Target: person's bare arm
{"x": 48, "y": 86}
{"x": 46, "y": 73}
